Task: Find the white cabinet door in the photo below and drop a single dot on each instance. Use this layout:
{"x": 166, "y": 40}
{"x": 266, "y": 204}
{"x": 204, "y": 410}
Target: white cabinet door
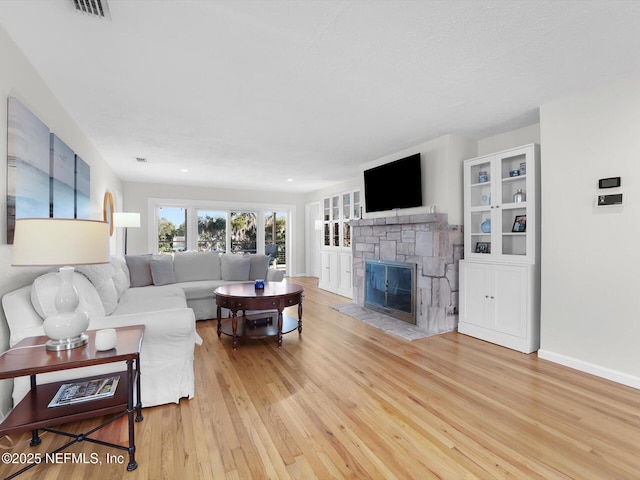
{"x": 344, "y": 279}
{"x": 511, "y": 292}
{"x": 497, "y": 304}
{"x": 475, "y": 292}
{"x": 325, "y": 270}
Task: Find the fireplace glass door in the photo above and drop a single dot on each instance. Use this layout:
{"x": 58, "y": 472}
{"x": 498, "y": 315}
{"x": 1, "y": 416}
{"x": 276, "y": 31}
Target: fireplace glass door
{"x": 390, "y": 288}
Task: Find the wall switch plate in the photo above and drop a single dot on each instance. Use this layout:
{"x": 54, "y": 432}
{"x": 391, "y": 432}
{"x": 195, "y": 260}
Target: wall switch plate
{"x": 609, "y": 200}
{"x": 611, "y": 182}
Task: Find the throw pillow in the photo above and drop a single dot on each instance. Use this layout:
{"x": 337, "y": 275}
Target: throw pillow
{"x": 45, "y": 288}
{"x": 162, "y": 270}
{"x": 259, "y": 266}
{"x": 139, "y": 270}
{"x": 235, "y": 267}
{"x": 121, "y": 275}
{"x": 191, "y": 267}
{"x": 101, "y": 276}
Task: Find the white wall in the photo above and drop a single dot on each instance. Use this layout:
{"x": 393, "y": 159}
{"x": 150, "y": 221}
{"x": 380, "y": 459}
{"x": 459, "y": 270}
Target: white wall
{"x": 511, "y": 139}
{"x": 19, "y": 79}
{"x": 590, "y": 256}
{"x": 136, "y": 197}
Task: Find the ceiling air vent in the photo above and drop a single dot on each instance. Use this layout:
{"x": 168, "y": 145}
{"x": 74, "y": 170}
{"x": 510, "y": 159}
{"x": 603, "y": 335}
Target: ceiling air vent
{"x": 93, "y": 8}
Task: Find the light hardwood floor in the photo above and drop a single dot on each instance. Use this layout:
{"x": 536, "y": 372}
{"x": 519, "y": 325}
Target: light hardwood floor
{"x": 346, "y": 400}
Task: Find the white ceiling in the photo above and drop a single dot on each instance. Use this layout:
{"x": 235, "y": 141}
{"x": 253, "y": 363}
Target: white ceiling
{"x": 253, "y": 93}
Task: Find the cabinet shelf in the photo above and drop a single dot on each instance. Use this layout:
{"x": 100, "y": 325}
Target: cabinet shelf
{"x": 481, "y": 184}
{"x": 514, "y": 179}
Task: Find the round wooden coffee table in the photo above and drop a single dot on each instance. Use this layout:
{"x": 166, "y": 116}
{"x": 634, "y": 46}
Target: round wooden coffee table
{"x": 271, "y": 301}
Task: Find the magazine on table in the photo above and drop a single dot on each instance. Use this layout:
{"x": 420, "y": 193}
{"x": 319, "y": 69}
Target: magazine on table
{"x": 94, "y": 389}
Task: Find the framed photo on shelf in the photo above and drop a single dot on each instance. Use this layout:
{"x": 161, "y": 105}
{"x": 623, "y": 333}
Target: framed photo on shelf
{"x": 483, "y": 247}
{"x": 520, "y": 224}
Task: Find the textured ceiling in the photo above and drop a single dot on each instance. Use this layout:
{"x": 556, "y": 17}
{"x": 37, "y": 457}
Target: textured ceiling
{"x": 253, "y": 93}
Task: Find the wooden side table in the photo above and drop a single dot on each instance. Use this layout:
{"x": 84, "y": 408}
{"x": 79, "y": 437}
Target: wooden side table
{"x": 29, "y": 357}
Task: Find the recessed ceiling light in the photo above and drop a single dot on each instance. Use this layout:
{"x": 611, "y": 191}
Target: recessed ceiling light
{"x": 184, "y": 170}
{"x": 289, "y": 179}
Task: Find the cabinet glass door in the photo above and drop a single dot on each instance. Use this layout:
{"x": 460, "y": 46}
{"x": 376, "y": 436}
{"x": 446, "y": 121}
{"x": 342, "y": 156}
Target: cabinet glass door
{"x": 512, "y": 169}
{"x": 479, "y": 188}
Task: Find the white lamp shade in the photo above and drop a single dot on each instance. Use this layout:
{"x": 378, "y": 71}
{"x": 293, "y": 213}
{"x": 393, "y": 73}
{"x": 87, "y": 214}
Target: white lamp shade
{"x": 57, "y": 241}
{"x": 126, "y": 219}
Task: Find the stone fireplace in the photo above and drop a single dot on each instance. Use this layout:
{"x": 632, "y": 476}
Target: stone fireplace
{"x": 429, "y": 242}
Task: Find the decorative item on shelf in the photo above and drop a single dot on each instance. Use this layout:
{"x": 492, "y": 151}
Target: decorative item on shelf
{"x": 514, "y": 173}
{"x": 523, "y": 168}
{"x": 259, "y": 285}
{"x": 54, "y": 242}
{"x": 106, "y": 339}
{"x": 519, "y": 196}
{"x": 126, "y": 220}
{"x": 520, "y": 224}
{"x": 486, "y": 226}
{"x": 483, "y": 177}
{"x": 486, "y": 199}
{"x": 483, "y": 247}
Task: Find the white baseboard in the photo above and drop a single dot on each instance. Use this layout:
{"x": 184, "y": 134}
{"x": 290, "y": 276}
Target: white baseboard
{"x": 597, "y": 370}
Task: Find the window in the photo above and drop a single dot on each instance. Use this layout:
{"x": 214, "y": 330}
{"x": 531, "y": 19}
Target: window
{"x": 212, "y": 231}
{"x": 196, "y": 225}
{"x": 244, "y": 232}
{"x": 275, "y": 234}
{"x": 172, "y": 229}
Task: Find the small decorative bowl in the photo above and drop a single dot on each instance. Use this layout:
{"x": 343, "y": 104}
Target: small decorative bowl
{"x": 514, "y": 173}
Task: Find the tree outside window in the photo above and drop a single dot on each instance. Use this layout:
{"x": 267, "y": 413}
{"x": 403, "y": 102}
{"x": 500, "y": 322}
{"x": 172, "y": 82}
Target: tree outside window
{"x": 212, "y": 231}
{"x": 172, "y": 228}
{"x": 244, "y": 232}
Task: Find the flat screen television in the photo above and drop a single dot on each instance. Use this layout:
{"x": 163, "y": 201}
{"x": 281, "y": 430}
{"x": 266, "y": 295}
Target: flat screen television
{"x": 394, "y": 185}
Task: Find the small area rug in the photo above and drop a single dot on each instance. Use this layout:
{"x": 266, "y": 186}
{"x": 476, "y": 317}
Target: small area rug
{"x": 380, "y": 320}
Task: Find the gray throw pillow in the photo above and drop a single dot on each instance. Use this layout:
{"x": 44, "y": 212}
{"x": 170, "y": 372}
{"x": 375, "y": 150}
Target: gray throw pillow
{"x": 139, "y": 270}
{"x": 259, "y": 266}
{"x": 235, "y": 267}
{"x": 162, "y": 270}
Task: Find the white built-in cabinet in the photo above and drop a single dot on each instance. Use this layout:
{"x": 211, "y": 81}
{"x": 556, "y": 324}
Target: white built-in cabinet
{"x": 335, "y": 253}
{"x": 500, "y": 273}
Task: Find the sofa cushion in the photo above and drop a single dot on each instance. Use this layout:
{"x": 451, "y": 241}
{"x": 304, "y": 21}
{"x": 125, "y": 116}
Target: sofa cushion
{"x": 101, "y": 276}
{"x": 121, "y": 274}
{"x": 202, "y": 289}
{"x": 235, "y": 267}
{"x": 150, "y": 299}
{"x": 162, "y": 270}
{"x": 259, "y": 266}
{"x": 45, "y": 287}
{"x": 191, "y": 266}
{"x": 139, "y": 270}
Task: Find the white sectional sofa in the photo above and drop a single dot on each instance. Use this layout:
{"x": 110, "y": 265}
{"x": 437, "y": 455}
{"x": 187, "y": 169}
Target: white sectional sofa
{"x": 166, "y": 293}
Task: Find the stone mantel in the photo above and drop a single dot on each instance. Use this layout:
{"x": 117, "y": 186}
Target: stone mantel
{"x": 426, "y": 240}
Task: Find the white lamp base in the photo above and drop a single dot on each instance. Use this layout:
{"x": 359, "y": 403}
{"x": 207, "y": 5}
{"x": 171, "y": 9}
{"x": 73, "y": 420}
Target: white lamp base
{"x": 67, "y": 343}
{"x": 66, "y": 330}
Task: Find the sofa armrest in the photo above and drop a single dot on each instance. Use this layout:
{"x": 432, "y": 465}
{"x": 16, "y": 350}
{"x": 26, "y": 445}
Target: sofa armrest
{"x": 274, "y": 275}
{"x": 159, "y": 326}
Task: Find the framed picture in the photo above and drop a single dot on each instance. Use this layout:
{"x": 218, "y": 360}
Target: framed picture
{"x": 483, "y": 247}
{"x": 520, "y": 224}
{"x": 28, "y": 166}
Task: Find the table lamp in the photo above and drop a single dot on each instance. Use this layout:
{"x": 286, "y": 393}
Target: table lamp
{"x": 45, "y": 242}
{"x": 126, "y": 219}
